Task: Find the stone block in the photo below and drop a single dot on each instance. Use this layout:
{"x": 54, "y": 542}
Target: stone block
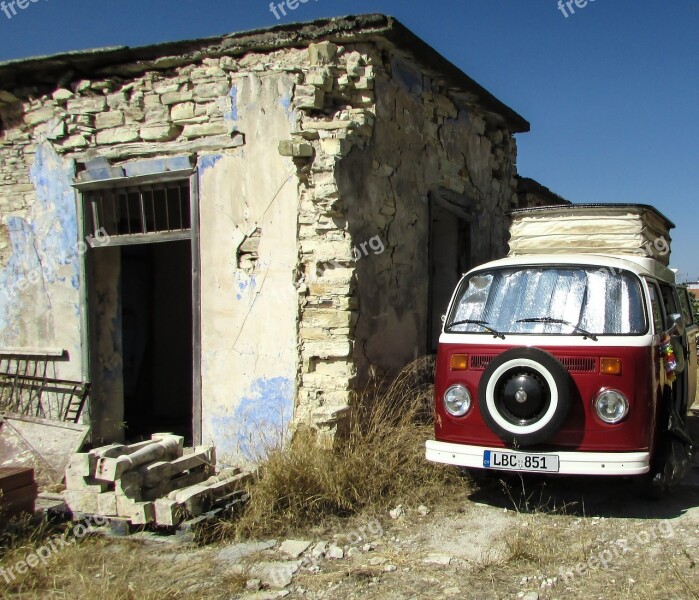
{"x": 83, "y": 464}
{"x": 295, "y": 149}
{"x": 322, "y": 53}
{"x": 142, "y": 513}
{"x": 76, "y": 482}
{"x": 326, "y": 319}
{"x": 169, "y": 512}
{"x": 211, "y": 90}
{"x": 124, "y": 506}
{"x": 336, "y": 146}
{"x": 294, "y": 548}
{"x": 160, "y": 133}
{"x": 204, "y": 129}
{"x": 117, "y": 100}
{"x": 81, "y": 502}
{"x": 39, "y": 116}
{"x": 57, "y": 130}
{"x": 157, "y": 114}
{"x": 109, "y": 120}
{"x": 7, "y": 97}
{"x": 87, "y": 105}
{"x": 182, "y": 111}
{"x": 107, "y": 504}
{"x": 336, "y": 349}
{"x": 75, "y": 141}
{"x": 309, "y": 97}
{"x": 177, "y": 97}
{"x": 118, "y": 135}
{"x": 321, "y": 79}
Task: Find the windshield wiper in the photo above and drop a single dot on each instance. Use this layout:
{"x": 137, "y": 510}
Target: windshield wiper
{"x": 483, "y": 324}
{"x": 586, "y": 334}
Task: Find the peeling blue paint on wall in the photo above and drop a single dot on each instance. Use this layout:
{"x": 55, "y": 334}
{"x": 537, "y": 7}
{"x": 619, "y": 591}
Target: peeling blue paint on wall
{"x": 232, "y": 115}
{"x": 262, "y": 415}
{"x": 208, "y": 162}
{"x": 244, "y": 284}
{"x": 285, "y": 102}
{"x": 42, "y": 242}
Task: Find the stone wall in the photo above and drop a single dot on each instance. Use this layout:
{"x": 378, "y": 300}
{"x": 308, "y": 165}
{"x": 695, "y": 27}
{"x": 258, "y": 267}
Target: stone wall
{"x": 373, "y": 139}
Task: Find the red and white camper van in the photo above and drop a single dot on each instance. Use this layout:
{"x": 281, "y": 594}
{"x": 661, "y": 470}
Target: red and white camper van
{"x": 573, "y": 355}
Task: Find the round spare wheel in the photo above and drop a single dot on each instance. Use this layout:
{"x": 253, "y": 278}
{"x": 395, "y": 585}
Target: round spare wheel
{"x": 524, "y": 396}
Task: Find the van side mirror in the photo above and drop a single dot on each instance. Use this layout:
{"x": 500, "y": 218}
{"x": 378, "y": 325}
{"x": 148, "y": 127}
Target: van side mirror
{"x": 675, "y": 324}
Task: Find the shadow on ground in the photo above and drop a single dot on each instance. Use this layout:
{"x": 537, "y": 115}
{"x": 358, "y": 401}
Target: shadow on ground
{"x": 587, "y": 496}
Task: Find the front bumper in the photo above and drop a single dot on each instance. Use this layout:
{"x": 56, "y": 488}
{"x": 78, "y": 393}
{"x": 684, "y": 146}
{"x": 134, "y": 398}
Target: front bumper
{"x": 570, "y": 463}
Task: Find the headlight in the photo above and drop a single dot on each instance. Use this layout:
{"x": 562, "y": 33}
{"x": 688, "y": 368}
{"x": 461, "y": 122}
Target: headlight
{"x": 611, "y": 406}
{"x": 457, "y": 400}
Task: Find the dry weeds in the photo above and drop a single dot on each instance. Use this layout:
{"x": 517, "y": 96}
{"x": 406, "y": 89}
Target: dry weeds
{"x": 380, "y": 464}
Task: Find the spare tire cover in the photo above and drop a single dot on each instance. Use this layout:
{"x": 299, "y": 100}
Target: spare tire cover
{"x": 524, "y": 396}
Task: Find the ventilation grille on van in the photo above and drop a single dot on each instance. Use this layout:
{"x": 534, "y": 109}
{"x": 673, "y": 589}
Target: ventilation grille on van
{"x": 574, "y": 364}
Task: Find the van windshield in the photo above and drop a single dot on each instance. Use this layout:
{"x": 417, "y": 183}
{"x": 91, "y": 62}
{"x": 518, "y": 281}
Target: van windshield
{"x": 549, "y": 300}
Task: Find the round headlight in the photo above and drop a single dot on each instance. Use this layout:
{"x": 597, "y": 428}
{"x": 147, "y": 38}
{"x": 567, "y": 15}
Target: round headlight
{"x": 611, "y": 406}
{"x": 457, "y": 400}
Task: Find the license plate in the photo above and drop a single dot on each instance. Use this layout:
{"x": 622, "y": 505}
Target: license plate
{"x": 520, "y": 461}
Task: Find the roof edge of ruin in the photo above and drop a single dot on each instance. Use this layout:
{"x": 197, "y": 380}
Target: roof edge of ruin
{"x": 376, "y": 28}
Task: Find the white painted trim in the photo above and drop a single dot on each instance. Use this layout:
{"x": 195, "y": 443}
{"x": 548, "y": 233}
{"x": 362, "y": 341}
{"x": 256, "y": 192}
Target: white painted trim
{"x": 542, "y": 341}
{"x": 570, "y": 463}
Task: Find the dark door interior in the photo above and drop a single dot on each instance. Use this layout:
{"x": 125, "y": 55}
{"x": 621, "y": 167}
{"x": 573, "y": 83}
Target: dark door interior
{"x": 156, "y": 295}
{"x": 450, "y": 258}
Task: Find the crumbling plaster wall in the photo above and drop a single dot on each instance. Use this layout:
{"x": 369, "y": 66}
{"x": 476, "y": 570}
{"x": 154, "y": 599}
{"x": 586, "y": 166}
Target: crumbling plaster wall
{"x": 39, "y": 266}
{"x": 134, "y": 116}
{"x": 249, "y": 305}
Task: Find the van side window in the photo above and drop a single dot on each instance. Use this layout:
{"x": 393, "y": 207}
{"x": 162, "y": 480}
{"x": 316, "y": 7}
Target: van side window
{"x": 655, "y": 307}
{"x": 686, "y": 305}
{"x": 669, "y": 300}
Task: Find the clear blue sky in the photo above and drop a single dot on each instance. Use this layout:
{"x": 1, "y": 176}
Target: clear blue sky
{"x": 612, "y": 92}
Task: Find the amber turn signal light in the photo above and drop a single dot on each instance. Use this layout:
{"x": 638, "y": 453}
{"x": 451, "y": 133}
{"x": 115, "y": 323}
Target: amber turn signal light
{"x": 610, "y": 366}
{"x": 459, "y": 362}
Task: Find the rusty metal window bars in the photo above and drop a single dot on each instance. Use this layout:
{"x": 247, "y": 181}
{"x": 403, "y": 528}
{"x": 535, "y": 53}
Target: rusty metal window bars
{"x": 140, "y": 210}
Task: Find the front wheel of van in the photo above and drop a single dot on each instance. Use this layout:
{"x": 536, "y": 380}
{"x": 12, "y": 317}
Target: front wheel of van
{"x": 524, "y": 396}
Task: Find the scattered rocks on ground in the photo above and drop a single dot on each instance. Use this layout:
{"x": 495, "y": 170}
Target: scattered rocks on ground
{"x": 319, "y": 550}
{"x": 437, "y": 559}
{"x": 294, "y": 548}
{"x": 397, "y": 512}
{"x": 236, "y": 552}
{"x": 335, "y": 552}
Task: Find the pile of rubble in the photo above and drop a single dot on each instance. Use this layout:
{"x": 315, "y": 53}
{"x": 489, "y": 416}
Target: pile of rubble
{"x": 157, "y": 481}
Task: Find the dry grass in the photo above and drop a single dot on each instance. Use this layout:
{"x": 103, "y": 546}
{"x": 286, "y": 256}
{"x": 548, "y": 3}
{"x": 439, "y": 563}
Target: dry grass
{"x": 381, "y": 463}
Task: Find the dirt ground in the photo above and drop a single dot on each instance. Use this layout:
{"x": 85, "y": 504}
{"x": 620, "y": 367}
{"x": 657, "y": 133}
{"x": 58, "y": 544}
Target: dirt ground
{"x": 520, "y": 538}
{"x": 532, "y": 539}
{"x": 536, "y": 538}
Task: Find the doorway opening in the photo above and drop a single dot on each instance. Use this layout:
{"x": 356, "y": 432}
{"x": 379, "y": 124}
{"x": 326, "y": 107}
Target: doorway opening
{"x": 143, "y": 329}
{"x": 156, "y": 312}
{"x": 450, "y": 257}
